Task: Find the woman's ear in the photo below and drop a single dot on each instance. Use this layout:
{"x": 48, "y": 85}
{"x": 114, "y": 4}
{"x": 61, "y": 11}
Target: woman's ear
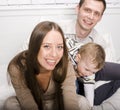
{"x": 77, "y": 58}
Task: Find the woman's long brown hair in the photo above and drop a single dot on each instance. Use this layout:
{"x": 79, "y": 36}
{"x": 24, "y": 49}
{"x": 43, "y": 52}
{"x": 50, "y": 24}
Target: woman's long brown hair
{"x": 60, "y": 71}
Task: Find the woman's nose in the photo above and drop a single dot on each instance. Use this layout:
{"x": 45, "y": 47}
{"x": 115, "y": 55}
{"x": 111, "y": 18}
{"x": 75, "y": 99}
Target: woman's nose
{"x": 54, "y": 52}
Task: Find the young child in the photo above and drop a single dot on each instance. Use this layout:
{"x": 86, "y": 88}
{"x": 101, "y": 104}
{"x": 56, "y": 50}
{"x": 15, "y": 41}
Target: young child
{"x": 89, "y": 59}
{"x": 99, "y": 88}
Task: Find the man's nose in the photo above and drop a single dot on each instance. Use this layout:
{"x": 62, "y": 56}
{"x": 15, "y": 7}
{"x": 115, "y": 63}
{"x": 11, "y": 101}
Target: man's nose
{"x": 91, "y": 15}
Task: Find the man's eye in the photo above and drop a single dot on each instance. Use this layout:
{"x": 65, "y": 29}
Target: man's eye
{"x": 87, "y": 10}
{"x": 97, "y": 14}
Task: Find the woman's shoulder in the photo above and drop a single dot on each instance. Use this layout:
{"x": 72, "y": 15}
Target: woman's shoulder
{"x": 70, "y": 70}
{"x": 14, "y": 65}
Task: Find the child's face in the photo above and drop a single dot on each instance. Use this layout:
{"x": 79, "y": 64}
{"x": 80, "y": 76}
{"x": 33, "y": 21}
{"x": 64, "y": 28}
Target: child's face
{"x": 86, "y": 67}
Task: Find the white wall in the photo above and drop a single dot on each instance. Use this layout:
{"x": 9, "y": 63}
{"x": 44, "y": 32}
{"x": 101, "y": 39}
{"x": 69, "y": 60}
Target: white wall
{"x": 17, "y": 22}
{"x": 110, "y": 23}
{"x": 16, "y": 25}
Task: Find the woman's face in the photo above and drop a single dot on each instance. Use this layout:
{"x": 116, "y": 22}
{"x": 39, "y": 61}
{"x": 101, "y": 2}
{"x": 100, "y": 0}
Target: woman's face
{"x": 51, "y": 50}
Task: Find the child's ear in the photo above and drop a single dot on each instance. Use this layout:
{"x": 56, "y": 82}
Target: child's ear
{"x": 77, "y": 58}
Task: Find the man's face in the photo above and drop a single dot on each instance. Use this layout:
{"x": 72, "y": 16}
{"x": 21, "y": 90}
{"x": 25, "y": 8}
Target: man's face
{"x": 89, "y": 14}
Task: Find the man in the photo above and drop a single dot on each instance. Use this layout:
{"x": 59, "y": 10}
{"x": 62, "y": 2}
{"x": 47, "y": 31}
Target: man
{"x": 82, "y": 31}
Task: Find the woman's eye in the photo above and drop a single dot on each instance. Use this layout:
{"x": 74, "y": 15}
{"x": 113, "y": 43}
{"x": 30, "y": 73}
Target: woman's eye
{"x": 46, "y": 46}
{"x": 60, "y": 47}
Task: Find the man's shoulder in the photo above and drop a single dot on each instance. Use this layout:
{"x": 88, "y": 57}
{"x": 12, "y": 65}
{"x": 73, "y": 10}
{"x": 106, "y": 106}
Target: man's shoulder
{"x": 98, "y": 38}
{"x": 94, "y": 33}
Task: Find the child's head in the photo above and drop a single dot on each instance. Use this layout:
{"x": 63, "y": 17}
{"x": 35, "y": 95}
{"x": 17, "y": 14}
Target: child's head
{"x": 90, "y": 59}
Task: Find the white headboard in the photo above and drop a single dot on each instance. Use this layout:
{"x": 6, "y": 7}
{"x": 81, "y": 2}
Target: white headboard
{"x": 16, "y": 25}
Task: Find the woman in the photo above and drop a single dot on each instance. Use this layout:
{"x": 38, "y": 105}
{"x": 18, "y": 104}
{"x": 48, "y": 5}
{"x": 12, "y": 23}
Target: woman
{"x": 39, "y": 74}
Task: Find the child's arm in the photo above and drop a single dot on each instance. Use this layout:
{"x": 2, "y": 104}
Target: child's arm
{"x": 89, "y": 85}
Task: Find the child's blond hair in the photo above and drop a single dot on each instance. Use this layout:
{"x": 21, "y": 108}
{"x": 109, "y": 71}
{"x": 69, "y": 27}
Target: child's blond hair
{"x": 95, "y": 52}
